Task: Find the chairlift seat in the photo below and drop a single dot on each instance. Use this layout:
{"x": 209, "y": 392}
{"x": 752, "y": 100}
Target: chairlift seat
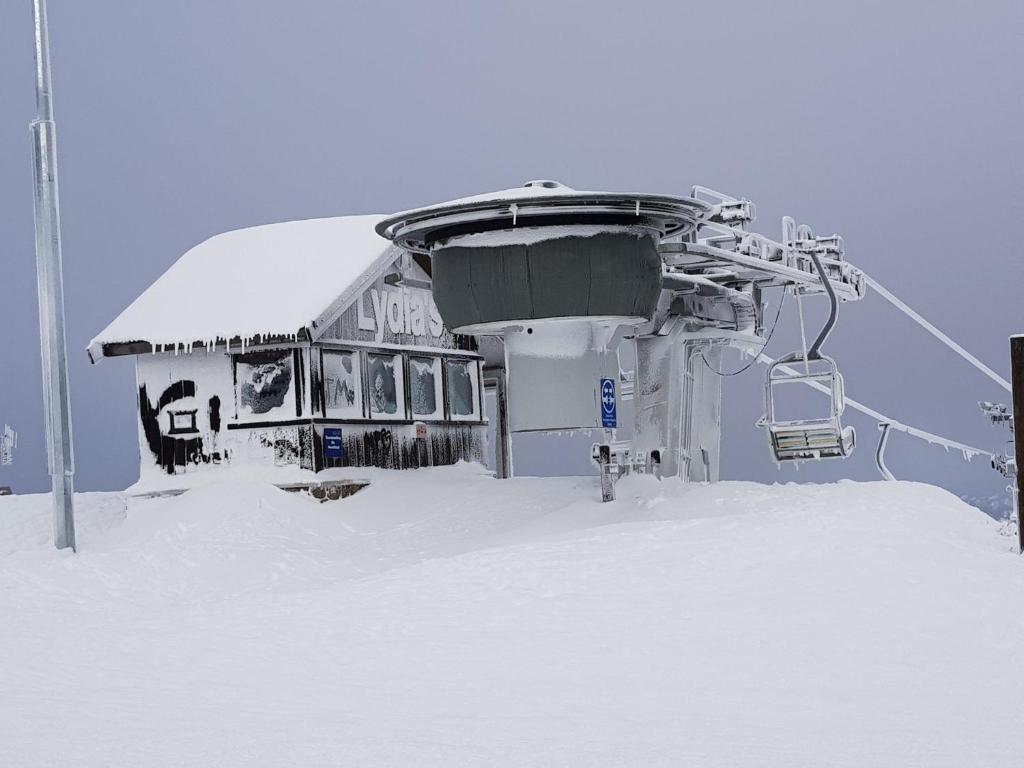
{"x": 811, "y": 439}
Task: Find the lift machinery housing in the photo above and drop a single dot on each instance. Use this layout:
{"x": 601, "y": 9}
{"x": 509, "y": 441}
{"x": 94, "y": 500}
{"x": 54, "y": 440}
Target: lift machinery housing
{"x": 560, "y": 280}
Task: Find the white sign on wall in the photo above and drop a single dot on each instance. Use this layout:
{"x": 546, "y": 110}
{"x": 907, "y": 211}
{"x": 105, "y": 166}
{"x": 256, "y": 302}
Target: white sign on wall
{"x": 8, "y": 442}
{"x": 400, "y": 310}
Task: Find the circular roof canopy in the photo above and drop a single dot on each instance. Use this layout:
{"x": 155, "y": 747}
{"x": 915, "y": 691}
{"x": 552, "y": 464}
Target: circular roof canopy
{"x": 540, "y": 204}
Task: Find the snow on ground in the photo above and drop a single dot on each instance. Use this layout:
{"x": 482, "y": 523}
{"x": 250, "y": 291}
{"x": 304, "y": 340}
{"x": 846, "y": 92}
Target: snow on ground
{"x": 444, "y": 618}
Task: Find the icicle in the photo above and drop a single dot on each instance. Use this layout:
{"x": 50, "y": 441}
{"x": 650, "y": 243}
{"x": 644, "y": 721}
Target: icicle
{"x": 515, "y": 213}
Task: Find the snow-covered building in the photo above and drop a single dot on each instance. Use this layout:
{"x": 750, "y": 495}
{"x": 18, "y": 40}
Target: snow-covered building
{"x": 312, "y": 344}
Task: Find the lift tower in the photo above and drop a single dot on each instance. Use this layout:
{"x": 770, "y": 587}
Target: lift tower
{"x": 50, "y": 280}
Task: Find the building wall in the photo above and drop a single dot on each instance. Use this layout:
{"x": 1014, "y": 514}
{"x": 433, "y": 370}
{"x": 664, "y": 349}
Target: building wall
{"x": 398, "y": 447}
{"x": 399, "y": 320}
{"x": 189, "y": 417}
{"x": 296, "y": 405}
{"x": 197, "y": 384}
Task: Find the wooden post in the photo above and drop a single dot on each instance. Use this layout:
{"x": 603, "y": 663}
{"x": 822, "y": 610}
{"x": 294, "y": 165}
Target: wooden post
{"x": 1017, "y": 372}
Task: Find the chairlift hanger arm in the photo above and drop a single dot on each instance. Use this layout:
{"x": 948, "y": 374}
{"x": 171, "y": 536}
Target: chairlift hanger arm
{"x": 815, "y": 351}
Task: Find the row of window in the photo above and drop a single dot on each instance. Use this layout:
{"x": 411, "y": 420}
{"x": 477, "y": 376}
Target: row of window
{"x": 362, "y": 384}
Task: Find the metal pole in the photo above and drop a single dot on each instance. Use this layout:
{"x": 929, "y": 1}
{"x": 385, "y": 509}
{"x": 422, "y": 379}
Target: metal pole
{"x": 1017, "y": 376}
{"x": 49, "y": 277}
{"x": 883, "y": 427}
{"x": 504, "y": 447}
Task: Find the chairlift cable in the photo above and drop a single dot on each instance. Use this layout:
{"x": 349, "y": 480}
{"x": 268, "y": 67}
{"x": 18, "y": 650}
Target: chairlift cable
{"x": 902, "y": 307}
{"x": 760, "y": 352}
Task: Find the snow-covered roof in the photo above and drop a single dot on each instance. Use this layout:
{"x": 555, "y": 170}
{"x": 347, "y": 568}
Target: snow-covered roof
{"x": 271, "y": 280}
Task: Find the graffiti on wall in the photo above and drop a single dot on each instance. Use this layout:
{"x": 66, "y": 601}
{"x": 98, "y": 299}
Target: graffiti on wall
{"x": 264, "y": 380}
{"x": 171, "y": 446}
{"x": 400, "y": 448}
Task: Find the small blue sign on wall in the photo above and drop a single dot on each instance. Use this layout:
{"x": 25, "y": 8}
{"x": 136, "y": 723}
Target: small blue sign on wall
{"x": 334, "y": 448}
{"x": 608, "y": 418}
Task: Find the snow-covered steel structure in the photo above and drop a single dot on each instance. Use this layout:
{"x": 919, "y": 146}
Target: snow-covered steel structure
{"x": 564, "y": 276}
{"x": 308, "y": 344}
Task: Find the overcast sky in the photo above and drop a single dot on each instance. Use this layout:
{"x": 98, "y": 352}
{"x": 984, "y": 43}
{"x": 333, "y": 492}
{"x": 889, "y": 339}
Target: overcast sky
{"x": 895, "y": 124}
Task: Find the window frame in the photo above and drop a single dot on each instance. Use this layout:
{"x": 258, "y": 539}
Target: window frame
{"x": 401, "y": 388}
{"x": 361, "y": 375}
{"x": 292, "y": 397}
{"x": 476, "y": 388}
{"x": 440, "y": 399}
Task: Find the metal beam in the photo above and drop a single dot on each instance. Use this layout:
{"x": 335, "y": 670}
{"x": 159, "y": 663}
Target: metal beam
{"x": 764, "y": 267}
{"x": 50, "y": 282}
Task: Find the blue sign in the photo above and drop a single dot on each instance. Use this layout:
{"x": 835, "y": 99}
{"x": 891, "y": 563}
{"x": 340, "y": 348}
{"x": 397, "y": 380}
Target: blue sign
{"x": 333, "y": 447}
{"x": 608, "y": 403}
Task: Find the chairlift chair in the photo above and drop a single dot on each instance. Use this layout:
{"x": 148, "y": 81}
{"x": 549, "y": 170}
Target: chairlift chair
{"x": 813, "y": 438}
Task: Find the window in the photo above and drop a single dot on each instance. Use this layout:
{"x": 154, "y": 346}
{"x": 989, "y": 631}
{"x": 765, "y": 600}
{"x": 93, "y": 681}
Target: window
{"x": 463, "y": 390}
{"x": 182, "y": 421}
{"x": 425, "y": 387}
{"x": 264, "y": 383}
{"x": 343, "y": 389}
{"x": 387, "y": 394}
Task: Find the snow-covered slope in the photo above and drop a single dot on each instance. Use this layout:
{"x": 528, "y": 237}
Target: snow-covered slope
{"x": 444, "y": 618}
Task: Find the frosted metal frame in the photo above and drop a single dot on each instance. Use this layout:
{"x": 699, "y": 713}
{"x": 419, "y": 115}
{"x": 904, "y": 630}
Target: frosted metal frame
{"x": 419, "y": 230}
{"x": 816, "y": 438}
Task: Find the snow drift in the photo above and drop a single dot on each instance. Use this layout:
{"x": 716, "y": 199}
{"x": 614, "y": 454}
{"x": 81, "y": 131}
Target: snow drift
{"x": 441, "y": 617}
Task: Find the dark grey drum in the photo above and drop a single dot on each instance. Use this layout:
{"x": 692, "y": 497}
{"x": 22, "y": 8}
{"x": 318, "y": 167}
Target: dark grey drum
{"x": 607, "y": 274}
